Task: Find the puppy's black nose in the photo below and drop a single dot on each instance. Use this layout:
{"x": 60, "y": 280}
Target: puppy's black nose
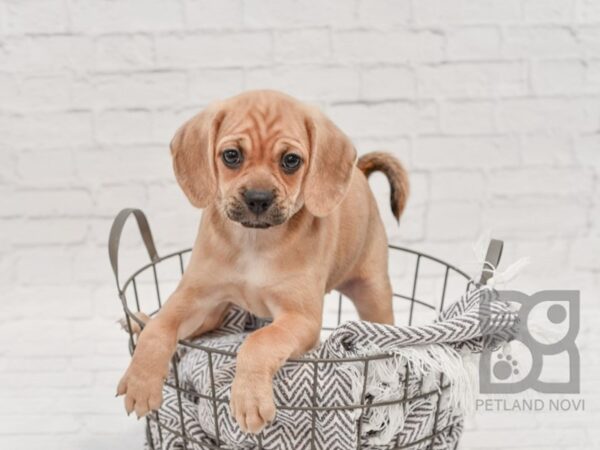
{"x": 258, "y": 201}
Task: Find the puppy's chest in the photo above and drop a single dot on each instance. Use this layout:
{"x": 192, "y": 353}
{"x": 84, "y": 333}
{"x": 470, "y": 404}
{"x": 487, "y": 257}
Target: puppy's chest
{"x": 251, "y": 278}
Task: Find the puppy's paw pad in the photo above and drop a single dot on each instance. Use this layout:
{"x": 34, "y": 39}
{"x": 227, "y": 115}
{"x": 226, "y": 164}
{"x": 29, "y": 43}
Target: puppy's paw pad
{"x": 252, "y": 406}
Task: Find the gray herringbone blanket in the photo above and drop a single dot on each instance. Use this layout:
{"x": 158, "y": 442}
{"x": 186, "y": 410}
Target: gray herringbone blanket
{"x": 421, "y": 354}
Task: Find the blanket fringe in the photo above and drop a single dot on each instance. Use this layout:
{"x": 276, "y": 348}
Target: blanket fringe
{"x": 386, "y": 381}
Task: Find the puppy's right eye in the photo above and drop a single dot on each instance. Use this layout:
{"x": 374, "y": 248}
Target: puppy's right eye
{"x": 232, "y": 157}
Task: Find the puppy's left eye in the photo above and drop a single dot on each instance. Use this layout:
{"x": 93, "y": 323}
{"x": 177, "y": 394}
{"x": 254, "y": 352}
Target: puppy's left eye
{"x": 290, "y": 162}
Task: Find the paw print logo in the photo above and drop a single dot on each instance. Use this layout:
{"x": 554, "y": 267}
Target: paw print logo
{"x": 505, "y": 367}
{"x": 549, "y": 324}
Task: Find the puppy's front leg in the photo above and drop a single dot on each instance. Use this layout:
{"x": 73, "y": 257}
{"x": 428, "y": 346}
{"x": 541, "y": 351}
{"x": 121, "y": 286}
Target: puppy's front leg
{"x": 290, "y": 335}
{"x": 143, "y": 380}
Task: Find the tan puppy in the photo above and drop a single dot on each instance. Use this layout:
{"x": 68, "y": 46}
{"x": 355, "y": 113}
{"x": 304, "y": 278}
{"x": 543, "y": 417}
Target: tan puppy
{"x": 288, "y": 217}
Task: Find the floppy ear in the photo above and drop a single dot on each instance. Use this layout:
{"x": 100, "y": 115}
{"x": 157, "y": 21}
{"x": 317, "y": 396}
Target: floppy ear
{"x": 192, "y": 149}
{"x": 332, "y": 159}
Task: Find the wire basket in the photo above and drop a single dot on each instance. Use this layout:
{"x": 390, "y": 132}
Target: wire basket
{"x": 421, "y": 285}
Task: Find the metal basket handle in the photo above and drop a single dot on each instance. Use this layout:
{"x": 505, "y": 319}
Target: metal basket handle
{"x": 492, "y": 259}
{"x": 115, "y": 238}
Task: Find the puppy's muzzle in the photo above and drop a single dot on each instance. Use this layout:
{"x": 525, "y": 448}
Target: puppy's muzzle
{"x": 258, "y": 201}
{"x": 256, "y": 208}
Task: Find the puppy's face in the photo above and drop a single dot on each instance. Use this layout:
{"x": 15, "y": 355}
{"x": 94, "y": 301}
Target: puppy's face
{"x": 260, "y": 157}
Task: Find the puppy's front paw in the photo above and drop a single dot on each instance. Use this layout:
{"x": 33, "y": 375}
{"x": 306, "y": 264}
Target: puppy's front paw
{"x": 143, "y": 392}
{"x": 252, "y": 403}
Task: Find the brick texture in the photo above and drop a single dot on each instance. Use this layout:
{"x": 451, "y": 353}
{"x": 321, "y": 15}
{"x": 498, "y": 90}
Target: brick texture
{"x": 493, "y": 105}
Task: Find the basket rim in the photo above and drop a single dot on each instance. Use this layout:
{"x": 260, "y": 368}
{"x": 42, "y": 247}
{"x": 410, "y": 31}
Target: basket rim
{"x": 304, "y": 359}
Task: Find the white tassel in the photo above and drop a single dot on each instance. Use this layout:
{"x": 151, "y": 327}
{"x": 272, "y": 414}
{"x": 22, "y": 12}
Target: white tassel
{"x": 507, "y": 275}
{"x": 480, "y": 251}
{"x": 481, "y": 245}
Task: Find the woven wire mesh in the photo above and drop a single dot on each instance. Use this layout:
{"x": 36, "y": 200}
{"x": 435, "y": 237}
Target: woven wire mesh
{"x": 421, "y": 273}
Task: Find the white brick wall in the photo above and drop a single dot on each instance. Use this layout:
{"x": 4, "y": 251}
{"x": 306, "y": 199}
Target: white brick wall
{"x": 494, "y": 105}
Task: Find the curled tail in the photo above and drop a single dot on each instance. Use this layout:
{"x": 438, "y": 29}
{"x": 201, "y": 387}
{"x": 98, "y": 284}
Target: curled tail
{"x": 395, "y": 173}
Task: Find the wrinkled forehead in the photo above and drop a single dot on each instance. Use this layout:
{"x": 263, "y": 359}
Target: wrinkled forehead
{"x": 264, "y": 121}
